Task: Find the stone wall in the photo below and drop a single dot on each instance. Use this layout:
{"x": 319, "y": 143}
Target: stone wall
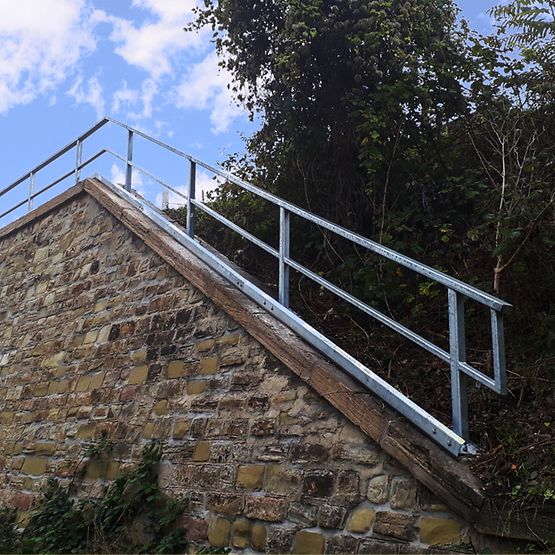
{"x": 98, "y": 334}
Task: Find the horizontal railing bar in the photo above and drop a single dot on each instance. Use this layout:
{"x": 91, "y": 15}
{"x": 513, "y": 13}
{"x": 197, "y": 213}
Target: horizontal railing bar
{"x": 245, "y": 234}
{"x": 386, "y": 320}
{"x": 56, "y": 155}
{"x": 147, "y": 173}
{"x": 433, "y": 427}
{"x": 14, "y": 208}
{"x": 69, "y": 173}
{"x": 222, "y": 219}
{"x": 423, "y": 269}
{"x": 393, "y": 324}
{"x": 440, "y": 277}
{"x": 55, "y": 182}
{"x": 478, "y": 376}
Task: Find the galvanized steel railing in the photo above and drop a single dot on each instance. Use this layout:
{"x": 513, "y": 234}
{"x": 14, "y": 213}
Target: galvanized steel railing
{"x": 456, "y": 440}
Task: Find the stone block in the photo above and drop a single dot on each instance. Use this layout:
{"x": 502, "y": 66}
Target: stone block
{"x": 378, "y": 490}
{"x": 112, "y": 472}
{"x": 128, "y": 393}
{"x": 279, "y": 540}
{"x": 218, "y": 532}
{"x": 104, "y": 333}
{"x": 439, "y": 531}
{"x": 331, "y": 516}
{"x": 348, "y": 487}
{"x": 161, "y": 408}
{"x": 138, "y": 356}
{"x": 197, "y": 528}
{"x": 263, "y": 427}
{"x": 83, "y": 383}
{"x": 35, "y": 466}
{"x": 229, "y": 339}
{"x": 86, "y": 431}
{"x": 318, "y": 484}
{"x": 360, "y": 520}
{"x": 90, "y": 337}
{"x": 226, "y": 503}
{"x": 341, "y": 544}
{"x": 308, "y": 542}
{"x": 209, "y": 365}
{"x": 205, "y": 345}
{"x": 176, "y": 369}
{"x": 308, "y": 452}
{"x": 282, "y": 479}
{"x": 96, "y": 468}
{"x": 373, "y": 546}
{"x": 202, "y": 451}
{"x": 258, "y": 536}
{"x": 196, "y": 387}
{"x": 257, "y": 403}
{"x": 138, "y": 375}
{"x": 41, "y": 254}
{"x": 180, "y": 429}
{"x": 250, "y": 476}
{"x": 402, "y": 493}
{"x": 305, "y": 515}
{"x": 361, "y": 453}
{"x": 41, "y": 389}
{"x": 6, "y": 417}
{"x": 270, "y": 509}
{"x": 395, "y": 525}
{"x": 96, "y": 381}
{"x": 240, "y": 533}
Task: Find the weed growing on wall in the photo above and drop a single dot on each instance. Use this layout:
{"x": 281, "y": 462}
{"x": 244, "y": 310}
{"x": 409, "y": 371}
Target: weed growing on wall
{"x": 132, "y": 516}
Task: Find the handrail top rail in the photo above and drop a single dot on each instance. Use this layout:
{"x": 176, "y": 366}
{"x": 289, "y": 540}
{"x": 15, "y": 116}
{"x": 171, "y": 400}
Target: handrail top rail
{"x": 99, "y": 124}
{"x": 441, "y": 277}
{"x": 452, "y": 283}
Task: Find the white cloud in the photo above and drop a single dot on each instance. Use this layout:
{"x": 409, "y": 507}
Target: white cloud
{"x": 154, "y": 44}
{"x": 135, "y": 98}
{"x": 124, "y": 97}
{"x": 90, "y": 93}
{"x": 149, "y": 89}
{"x": 40, "y": 44}
{"x": 206, "y": 87}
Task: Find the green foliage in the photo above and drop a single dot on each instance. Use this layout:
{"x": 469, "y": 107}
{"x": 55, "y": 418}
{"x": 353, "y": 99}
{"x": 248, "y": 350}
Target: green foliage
{"x": 354, "y": 97}
{"x": 529, "y": 25}
{"x": 9, "y": 537}
{"x": 397, "y": 121}
{"x": 132, "y": 516}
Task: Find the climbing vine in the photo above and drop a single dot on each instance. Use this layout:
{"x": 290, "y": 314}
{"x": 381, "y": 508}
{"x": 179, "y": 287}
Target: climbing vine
{"x": 132, "y": 516}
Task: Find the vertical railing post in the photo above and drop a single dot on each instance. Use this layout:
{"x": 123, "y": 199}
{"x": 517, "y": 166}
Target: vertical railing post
{"x": 498, "y": 345}
{"x": 284, "y": 243}
{"x": 31, "y": 191}
{"x": 191, "y": 186}
{"x": 129, "y": 168}
{"x": 458, "y": 354}
{"x": 78, "y": 160}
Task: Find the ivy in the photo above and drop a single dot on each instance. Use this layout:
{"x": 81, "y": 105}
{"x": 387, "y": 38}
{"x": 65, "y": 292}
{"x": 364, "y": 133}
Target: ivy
{"x": 132, "y": 516}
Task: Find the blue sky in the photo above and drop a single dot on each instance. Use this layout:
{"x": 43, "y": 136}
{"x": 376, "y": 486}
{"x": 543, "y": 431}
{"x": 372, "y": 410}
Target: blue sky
{"x": 65, "y": 63}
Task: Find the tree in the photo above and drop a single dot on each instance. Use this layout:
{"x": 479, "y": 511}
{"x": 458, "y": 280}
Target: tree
{"x": 528, "y": 25}
{"x": 354, "y": 97}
